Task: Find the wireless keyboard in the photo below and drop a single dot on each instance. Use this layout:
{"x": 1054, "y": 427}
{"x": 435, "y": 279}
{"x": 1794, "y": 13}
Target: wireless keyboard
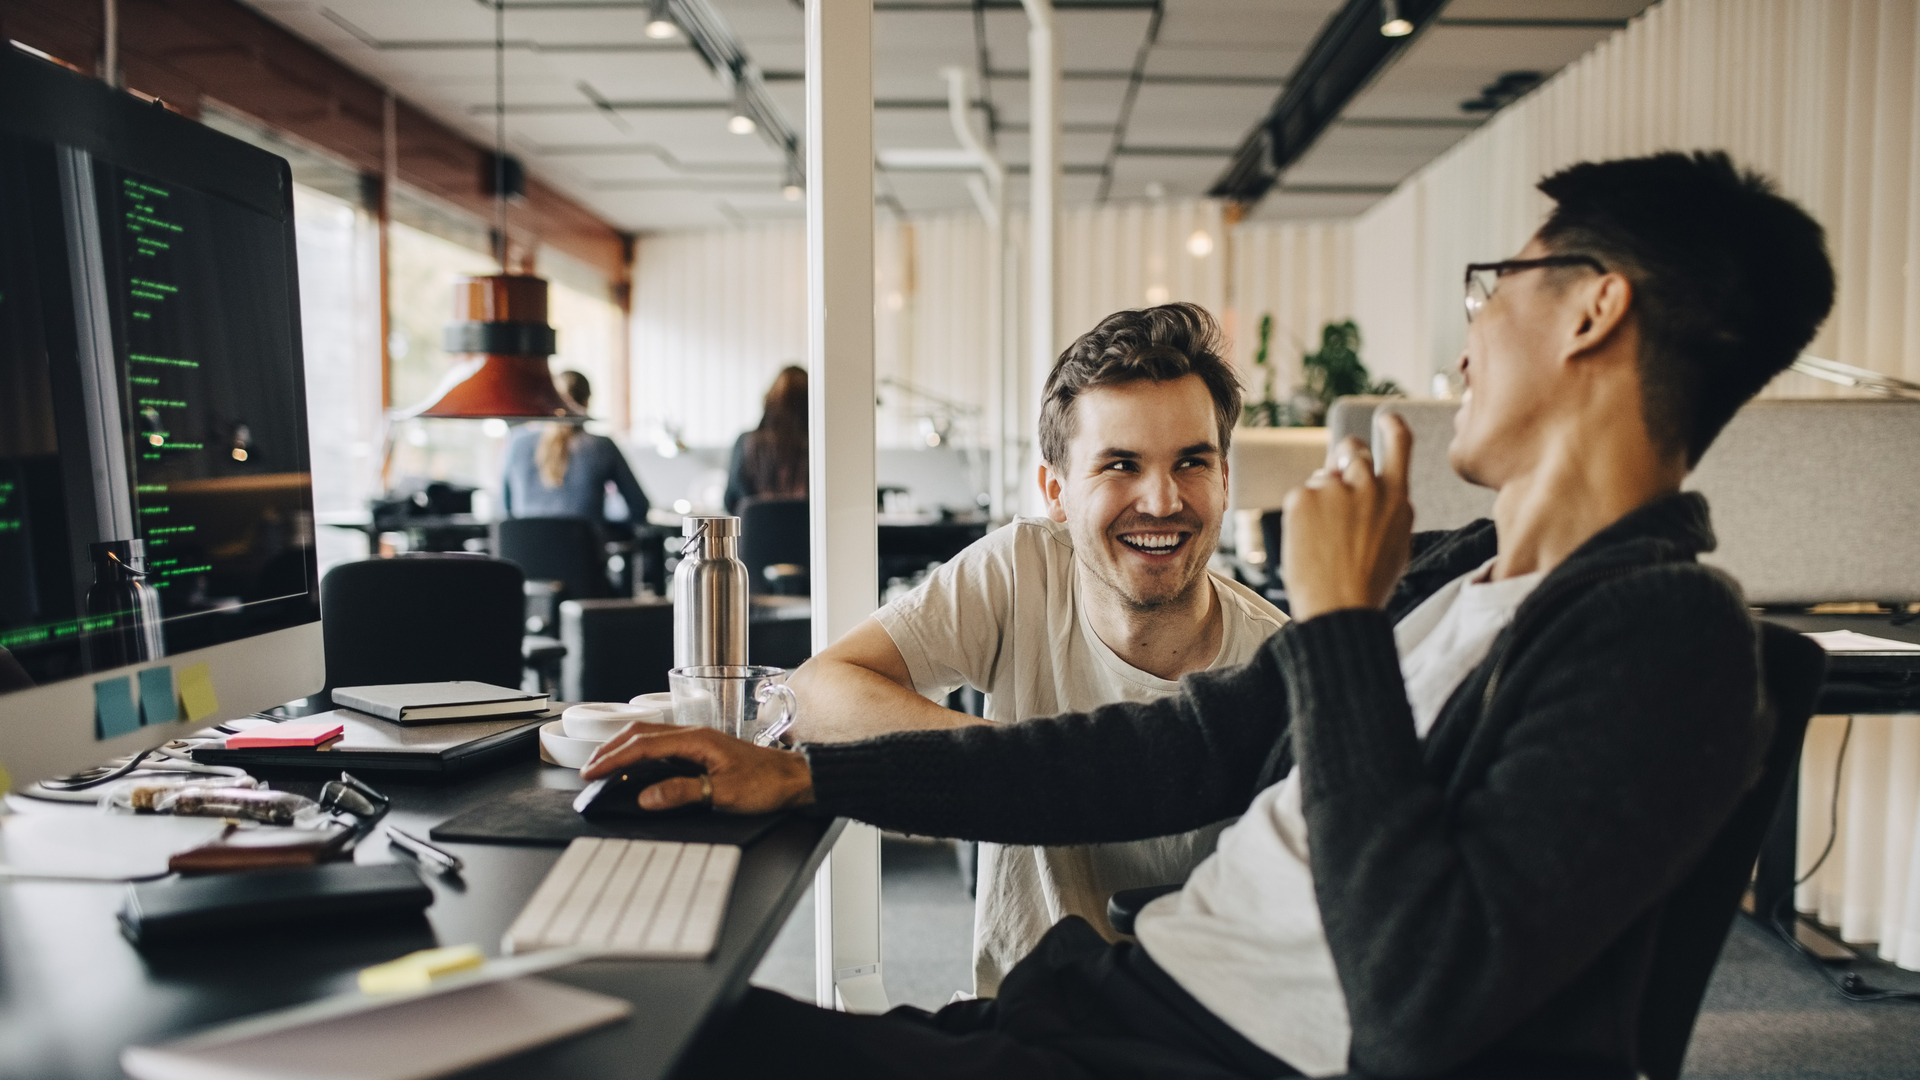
{"x": 638, "y": 898}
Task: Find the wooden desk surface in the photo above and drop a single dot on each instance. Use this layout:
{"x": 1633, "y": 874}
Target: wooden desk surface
{"x": 73, "y": 992}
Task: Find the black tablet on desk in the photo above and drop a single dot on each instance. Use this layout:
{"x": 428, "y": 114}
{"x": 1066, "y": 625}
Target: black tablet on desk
{"x": 372, "y": 745}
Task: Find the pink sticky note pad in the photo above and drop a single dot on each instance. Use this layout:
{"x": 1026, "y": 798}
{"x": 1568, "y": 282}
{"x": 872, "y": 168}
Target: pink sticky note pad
{"x": 284, "y": 735}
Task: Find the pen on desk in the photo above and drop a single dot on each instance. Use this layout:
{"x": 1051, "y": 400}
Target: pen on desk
{"x": 420, "y": 849}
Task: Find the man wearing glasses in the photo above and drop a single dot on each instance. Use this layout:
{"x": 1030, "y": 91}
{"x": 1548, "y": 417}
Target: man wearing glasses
{"x": 1507, "y": 743}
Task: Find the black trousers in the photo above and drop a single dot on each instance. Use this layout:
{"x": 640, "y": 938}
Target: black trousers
{"x": 1077, "y": 1008}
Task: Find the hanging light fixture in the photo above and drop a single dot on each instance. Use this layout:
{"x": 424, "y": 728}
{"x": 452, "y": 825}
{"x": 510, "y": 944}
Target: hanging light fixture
{"x": 660, "y": 26}
{"x": 499, "y": 339}
{"x": 1391, "y": 22}
{"x": 740, "y": 119}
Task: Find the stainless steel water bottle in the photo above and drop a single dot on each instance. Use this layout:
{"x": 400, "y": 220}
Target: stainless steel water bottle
{"x": 710, "y": 594}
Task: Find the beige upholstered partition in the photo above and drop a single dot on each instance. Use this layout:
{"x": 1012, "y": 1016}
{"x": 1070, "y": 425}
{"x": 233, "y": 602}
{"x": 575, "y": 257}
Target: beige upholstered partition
{"x": 1264, "y": 464}
{"x": 1817, "y": 500}
{"x": 1441, "y": 500}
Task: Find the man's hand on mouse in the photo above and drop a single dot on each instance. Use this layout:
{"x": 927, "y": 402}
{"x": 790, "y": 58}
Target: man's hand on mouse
{"x": 747, "y": 779}
{"x": 1348, "y": 532}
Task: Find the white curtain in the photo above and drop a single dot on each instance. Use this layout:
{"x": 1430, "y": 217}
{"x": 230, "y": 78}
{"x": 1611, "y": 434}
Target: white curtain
{"x": 1818, "y": 94}
{"x": 1301, "y": 273}
{"x": 717, "y": 312}
{"x": 1869, "y": 884}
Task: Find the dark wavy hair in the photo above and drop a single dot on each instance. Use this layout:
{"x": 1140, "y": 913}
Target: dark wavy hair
{"x": 1730, "y": 279}
{"x": 776, "y": 455}
{"x": 1159, "y": 343}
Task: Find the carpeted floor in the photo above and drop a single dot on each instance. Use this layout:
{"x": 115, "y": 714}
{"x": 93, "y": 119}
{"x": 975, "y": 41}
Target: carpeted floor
{"x": 1768, "y": 1015}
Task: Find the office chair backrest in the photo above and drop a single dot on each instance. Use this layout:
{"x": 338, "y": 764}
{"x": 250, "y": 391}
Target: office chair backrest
{"x": 616, "y": 649}
{"x": 1815, "y": 500}
{"x": 1441, "y": 500}
{"x": 564, "y": 549}
{"x": 1698, "y": 914}
{"x": 422, "y": 618}
{"x": 772, "y": 531}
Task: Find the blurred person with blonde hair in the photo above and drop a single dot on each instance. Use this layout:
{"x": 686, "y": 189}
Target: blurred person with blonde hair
{"x": 559, "y": 470}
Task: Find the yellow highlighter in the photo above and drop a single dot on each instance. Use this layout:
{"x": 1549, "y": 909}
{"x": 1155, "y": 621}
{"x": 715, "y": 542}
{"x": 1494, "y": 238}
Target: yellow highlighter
{"x": 416, "y": 971}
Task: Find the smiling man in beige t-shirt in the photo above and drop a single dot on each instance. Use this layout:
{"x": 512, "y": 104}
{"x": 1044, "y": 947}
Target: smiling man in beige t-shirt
{"x": 1108, "y": 598}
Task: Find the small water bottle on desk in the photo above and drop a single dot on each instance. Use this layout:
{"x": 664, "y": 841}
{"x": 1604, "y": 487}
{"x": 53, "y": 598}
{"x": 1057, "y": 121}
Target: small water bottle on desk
{"x": 710, "y": 595}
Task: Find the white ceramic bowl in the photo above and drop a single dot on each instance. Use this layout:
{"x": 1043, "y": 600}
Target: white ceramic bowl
{"x": 602, "y": 720}
{"x": 662, "y": 701}
{"x": 558, "y": 748}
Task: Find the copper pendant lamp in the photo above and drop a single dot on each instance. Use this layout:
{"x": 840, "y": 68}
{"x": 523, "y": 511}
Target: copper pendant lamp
{"x": 499, "y": 340}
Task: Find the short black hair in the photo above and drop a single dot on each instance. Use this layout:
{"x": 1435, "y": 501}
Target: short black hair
{"x": 1730, "y": 279}
{"x": 1161, "y": 343}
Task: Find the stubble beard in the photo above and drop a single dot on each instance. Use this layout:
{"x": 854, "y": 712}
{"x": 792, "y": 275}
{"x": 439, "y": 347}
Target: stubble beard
{"x": 1107, "y": 571}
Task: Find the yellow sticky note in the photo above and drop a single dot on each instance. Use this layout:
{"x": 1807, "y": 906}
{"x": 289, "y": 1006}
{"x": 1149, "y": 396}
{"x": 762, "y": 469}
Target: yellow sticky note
{"x": 197, "y": 698}
{"x": 416, "y": 971}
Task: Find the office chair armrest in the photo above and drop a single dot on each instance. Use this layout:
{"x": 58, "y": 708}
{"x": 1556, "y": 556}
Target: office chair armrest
{"x": 1125, "y": 904}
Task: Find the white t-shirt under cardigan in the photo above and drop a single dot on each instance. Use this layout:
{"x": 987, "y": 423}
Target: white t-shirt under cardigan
{"x": 1244, "y": 937}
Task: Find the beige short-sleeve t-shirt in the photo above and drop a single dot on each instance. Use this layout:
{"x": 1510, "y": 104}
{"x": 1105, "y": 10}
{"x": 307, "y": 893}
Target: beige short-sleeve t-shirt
{"x": 1005, "y": 617}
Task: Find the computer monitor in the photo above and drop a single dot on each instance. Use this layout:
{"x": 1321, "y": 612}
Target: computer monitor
{"x": 156, "y": 510}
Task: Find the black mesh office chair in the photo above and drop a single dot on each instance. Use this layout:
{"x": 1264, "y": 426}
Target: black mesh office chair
{"x": 1697, "y": 915}
{"x": 774, "y": 534}
{"x": 422, "y": 618}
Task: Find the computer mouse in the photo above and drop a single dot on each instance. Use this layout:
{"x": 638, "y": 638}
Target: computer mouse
{"x": 619, "y": 795}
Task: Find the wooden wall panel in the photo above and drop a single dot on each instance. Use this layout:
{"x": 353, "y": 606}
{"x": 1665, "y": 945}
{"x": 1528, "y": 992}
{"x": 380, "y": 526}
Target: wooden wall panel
{"x": 187, "y": 51}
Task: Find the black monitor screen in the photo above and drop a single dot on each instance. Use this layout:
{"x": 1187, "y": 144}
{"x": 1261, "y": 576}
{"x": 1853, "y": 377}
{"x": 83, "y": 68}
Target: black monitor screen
{"x": 154, "y": 487}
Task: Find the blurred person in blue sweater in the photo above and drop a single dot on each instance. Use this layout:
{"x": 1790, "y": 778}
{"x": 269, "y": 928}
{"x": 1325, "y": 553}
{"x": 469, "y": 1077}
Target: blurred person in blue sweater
{"x": 559, "y": 470}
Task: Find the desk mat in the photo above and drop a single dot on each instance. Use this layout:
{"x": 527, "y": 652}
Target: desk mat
{"x": 546, "y": 817}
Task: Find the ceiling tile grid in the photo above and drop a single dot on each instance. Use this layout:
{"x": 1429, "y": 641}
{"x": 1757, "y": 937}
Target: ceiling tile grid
{"x": 1156, "y": 94}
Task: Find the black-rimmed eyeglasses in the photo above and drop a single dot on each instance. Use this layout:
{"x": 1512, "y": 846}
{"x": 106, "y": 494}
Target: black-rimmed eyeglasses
{"x": 1483, "y": 278}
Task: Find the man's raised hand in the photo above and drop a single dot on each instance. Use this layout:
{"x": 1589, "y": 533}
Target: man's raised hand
{"x": 747, "y": 779}
{"x": 1347, "y": 532}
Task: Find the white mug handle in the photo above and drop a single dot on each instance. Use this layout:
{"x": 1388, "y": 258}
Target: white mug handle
{"x": 789, "y": 709}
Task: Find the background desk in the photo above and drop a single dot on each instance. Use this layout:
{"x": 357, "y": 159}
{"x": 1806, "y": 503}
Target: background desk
{"x": 1872, "y": 688}
{"x": 73, "y": 991}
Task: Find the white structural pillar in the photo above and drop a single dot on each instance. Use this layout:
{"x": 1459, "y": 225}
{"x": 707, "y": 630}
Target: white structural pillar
{"x": 845, "y": 541}
{"x": 989, "y": 190}
{"x": 1043, "y": 232}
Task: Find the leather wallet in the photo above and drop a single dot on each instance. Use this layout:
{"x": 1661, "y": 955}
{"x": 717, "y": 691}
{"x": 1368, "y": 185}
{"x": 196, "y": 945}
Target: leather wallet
{"x": 264, "y": 849}
{"x": 333, "y": 896}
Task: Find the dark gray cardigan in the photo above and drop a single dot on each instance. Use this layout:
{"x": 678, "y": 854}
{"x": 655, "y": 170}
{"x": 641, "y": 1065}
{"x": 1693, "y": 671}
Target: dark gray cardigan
{"x": 1490, "y": 893}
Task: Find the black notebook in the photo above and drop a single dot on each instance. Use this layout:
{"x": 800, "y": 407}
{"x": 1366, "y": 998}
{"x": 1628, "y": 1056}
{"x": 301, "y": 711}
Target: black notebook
{"x": 327, "y": 897}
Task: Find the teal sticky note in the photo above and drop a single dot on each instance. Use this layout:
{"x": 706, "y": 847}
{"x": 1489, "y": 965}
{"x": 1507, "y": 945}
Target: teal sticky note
{"x": 157, "y": 703}
{"x": 114, "y": 713}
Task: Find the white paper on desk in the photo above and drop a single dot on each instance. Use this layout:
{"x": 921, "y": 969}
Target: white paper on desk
{"x": 88, "y": 845}
{"x": 1847, "y": 641}
{"x": 415, "y": 1037}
